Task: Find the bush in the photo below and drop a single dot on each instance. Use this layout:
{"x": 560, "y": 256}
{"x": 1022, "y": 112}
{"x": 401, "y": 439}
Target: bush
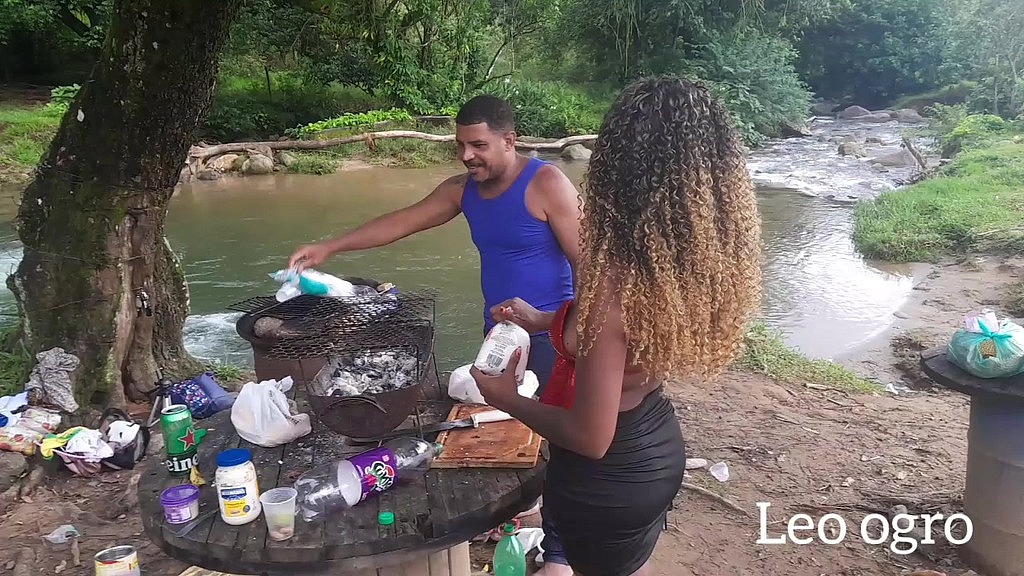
{"x": 349, "y": 120}
{"x": 244, "y": 109}
{"x": 754, "y": 76}
{"x": 972, "y": 131}
{"x": 550, "y": 109}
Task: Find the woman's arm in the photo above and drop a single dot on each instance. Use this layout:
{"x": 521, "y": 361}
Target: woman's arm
{"x": 589, "y": 426}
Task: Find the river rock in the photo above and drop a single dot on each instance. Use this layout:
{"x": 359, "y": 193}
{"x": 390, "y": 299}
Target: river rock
{"x": 238, "y": 163}
{"x": 12, "y": 466}
{"x": 909, "y": 115}
{"x": 576, "y": 152}
{"x": 873, "y": 140}
{"x": 854, "y": 112}
{"x": 207, "y": 174}
{"x": 223, "y": 163}
{"x": 899, "y": 158}
{"x": 793, "y": 130}
{"x": 876, "y": 117}
{"x": 258, "y": 164}
{"x": 285, "y": 159}
{"x": 852, "y": 149}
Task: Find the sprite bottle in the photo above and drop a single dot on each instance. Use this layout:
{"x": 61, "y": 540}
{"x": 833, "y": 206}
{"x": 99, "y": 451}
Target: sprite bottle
{"x": 181, "y": 439}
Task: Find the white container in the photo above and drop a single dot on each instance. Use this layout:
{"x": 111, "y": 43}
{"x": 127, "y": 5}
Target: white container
{"x": 238, "y": 493}
{"x": 499, "y": 345}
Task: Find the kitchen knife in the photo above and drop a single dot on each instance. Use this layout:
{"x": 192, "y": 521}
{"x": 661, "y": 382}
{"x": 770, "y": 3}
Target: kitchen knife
{"x": 473, "y": 421}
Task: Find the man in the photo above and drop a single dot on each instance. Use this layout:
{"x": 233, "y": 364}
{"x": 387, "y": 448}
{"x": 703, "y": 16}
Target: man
{"x": 523, "y": 215}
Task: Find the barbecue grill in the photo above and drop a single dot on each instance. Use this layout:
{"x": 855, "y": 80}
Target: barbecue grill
{"x": 311, "y": 337}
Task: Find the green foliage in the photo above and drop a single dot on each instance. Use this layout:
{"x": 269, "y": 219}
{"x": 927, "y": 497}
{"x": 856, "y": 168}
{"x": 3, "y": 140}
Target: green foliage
{"x": 550, "y": 109}
{"x": 976, "y": 203}
{"x": 877, "y": 50}
{"x": 244, "y": 109}
{"x": 61, "y": 98}
{"x": 48, "y": 39}
{"x": 349, "y": 120}
{"x": 754, "y": 77}
{"x": 971, "y": 131}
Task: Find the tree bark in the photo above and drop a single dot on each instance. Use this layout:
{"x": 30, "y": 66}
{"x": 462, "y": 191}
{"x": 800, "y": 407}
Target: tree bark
{"x": 92, "y": 220}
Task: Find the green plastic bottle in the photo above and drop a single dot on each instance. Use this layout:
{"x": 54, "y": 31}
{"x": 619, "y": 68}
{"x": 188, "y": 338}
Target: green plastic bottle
{"x": 509, "y": 556}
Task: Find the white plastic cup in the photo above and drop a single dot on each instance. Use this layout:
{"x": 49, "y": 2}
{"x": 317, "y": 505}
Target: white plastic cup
{"x": 279, "y": 511}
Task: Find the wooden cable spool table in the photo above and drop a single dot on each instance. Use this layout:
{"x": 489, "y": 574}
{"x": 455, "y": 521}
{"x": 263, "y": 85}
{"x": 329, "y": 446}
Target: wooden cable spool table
{"x": 435, "y": 515}
{"x": 994, "y": 486}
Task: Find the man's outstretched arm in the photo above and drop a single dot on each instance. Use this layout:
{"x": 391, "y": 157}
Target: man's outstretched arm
{"x": 440, "y": 206}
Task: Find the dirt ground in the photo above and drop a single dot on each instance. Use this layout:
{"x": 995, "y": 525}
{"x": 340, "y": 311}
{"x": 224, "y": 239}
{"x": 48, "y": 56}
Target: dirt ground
{"x": 802, "y": 450}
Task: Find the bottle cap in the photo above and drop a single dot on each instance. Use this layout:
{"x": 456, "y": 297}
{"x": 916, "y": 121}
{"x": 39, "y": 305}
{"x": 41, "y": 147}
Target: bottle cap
{"x": 438, "y": 448}
{"x": 386, "y": 518}
{"x": 508, "y": 528}
{"x": 233, "y": 457}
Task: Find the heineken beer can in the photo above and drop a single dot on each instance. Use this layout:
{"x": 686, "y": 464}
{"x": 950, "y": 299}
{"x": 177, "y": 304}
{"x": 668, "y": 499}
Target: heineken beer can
{"x": 180, "y": 439}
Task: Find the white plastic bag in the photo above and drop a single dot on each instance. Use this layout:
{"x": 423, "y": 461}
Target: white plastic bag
{"x": 463, "y": 388}
{"x": 311, "y": 282}
{"x": 262, "y": 415}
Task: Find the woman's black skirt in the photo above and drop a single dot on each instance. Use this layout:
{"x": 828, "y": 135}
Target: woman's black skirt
{"x": 610, "y": 512}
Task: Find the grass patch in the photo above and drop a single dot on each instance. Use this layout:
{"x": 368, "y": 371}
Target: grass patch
{"x": 15, "y": 362}
{"x": 225, "y": 372}
{"x": 767, "y": 353}
{"x": 25, "y": 133}
{"x": 976, "y": 203}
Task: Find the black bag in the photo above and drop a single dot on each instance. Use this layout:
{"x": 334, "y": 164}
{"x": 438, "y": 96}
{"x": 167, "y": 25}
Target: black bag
{"x": 128, "y": 455}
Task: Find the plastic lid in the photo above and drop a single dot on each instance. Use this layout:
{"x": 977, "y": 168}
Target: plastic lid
{"x": 233, "y": 457}
{"x": 386, "y": 518}
{"x": 180, "y": 494}
{"x": 508, "y": 528}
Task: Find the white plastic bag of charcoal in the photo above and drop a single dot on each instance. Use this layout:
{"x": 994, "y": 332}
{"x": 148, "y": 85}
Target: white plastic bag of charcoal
{"x": 463, "y": 388}
{"x": 262, "y": 415}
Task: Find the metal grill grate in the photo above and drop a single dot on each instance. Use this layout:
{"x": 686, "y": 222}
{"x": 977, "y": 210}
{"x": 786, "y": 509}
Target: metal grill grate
{"x": 317, "y": 327}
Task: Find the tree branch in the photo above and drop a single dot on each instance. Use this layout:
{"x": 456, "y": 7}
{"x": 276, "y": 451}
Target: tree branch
{"x": 204, "y": 152}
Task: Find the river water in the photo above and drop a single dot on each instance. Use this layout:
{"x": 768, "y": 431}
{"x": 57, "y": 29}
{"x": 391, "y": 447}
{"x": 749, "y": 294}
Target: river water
{"x": 233, "y": 232}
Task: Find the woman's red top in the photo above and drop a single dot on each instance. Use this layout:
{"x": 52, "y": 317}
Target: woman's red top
{"x": 561, "y": 387}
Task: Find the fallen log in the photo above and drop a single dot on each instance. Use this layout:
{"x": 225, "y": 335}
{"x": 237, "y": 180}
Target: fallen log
{"x": 201, "y": 153}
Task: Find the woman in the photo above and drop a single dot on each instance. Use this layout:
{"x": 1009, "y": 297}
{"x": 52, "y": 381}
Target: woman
{"x": 668, "y": 275}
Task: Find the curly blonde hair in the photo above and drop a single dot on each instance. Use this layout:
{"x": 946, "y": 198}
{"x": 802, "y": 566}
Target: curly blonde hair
{"x": 671, "y": 222}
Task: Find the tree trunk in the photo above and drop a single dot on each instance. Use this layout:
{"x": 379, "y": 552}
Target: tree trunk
{"x": 92, "y": 221}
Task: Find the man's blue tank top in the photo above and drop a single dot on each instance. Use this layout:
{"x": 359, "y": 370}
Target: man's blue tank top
{"x": 519, "y": 254}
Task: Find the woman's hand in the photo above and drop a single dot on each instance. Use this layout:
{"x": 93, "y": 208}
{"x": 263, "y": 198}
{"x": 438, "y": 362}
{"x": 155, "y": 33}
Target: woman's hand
{"x": 519, "y": 312}
{"x": 499, "y": 391}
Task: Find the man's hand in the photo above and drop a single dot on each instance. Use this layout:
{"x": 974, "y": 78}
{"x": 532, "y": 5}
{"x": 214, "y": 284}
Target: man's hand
{"x": 518, "y": 311}
{"x": 309, "y": 256}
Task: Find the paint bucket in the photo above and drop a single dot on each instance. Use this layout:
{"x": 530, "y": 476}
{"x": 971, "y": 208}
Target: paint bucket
{"x": 180, "y": 503}
{"x": 117, "y": 561}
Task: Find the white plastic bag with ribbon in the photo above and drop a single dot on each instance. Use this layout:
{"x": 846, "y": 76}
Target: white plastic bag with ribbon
{"x": 463, "y": 388}
{"x": 263, "y": 415}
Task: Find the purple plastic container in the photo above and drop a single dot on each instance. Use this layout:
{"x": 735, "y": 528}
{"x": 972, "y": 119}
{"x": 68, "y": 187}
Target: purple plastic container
{"x": 180, "y": 503}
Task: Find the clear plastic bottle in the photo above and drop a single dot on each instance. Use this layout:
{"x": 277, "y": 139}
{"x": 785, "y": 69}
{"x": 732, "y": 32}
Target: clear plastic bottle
{"x": 509, "y": 556}
{"x": 344, "y": 483}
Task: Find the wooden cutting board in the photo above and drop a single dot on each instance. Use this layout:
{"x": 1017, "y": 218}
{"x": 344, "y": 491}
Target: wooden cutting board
{"x": 507, "y": 444}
